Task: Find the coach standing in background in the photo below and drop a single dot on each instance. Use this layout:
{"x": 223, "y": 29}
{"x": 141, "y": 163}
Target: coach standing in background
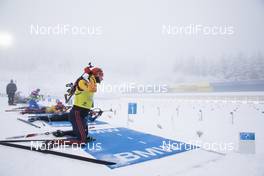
{"x": 11, "y": 89}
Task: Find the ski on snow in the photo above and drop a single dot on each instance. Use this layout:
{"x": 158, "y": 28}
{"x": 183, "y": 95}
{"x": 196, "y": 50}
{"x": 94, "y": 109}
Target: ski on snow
{"x": 26, "y": 140}
{"x": 30, "y": 135}
{"x": 27, "y": 122}
{"x": 65, "y": 155}
{"x": 44, "y": 133}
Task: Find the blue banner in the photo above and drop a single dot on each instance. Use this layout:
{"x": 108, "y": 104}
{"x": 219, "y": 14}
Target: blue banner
{"x": 68, "y": 124}
{"x": 125, "y": 146}
{"x": 247, "y": 136}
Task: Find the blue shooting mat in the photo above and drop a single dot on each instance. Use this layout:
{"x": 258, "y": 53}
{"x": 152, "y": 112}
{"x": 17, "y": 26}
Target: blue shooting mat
{"x": 68, "y": 124}
{"x": 126, "y": 147}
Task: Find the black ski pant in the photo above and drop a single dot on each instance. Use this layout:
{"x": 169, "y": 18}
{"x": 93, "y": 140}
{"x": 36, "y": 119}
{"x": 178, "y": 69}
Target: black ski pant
{"x": 79, "y": 123}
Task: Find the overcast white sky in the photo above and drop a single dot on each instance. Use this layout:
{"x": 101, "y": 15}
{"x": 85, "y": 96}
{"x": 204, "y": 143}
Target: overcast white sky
{"x": 131, "y": 45}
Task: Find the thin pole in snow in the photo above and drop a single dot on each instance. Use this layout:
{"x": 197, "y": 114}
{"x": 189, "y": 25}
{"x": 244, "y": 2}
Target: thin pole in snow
{"x": 232, "y": 117}
{"x": 177, "y": 110}
{"x": 201, "y": 115}
{"x": 158, "y": 108}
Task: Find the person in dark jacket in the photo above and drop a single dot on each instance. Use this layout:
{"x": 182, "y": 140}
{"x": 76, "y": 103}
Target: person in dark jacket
{"x": 11, "y": 89}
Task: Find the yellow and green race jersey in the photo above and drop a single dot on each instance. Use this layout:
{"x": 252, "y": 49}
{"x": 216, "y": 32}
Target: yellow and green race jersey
{"x": 84, "y": 93}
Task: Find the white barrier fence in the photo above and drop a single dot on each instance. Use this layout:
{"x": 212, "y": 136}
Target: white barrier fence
{"x": 238, "y": 97}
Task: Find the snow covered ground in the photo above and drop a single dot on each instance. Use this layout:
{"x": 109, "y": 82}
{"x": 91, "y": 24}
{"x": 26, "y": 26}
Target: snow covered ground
{"x": 187, "y": 120}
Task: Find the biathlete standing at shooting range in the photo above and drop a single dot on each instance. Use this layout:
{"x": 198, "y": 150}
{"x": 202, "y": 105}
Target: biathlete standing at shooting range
{"x": 86, "y": 86}
{"x": 83, "y": 102}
